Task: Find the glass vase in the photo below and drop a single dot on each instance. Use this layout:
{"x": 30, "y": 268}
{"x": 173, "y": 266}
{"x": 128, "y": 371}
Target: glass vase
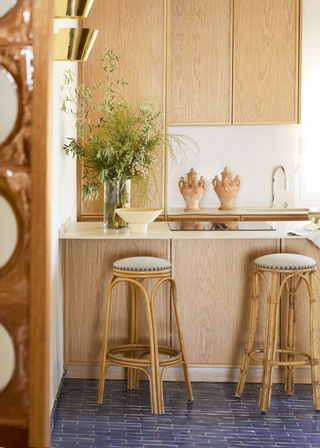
{"x": 116, "y": 195}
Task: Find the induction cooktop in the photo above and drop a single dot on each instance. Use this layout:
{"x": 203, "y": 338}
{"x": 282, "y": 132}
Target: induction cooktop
{"x": 230, "y": 225}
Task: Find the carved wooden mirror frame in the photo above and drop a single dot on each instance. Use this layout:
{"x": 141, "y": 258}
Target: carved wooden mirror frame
{"x": 26, "y": 53}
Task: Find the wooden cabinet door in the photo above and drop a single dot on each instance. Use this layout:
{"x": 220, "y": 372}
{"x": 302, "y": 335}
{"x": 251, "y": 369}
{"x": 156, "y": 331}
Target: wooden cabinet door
{"x": 86, "y": 275}
{"x": 199, "y": 62}
{"x": 215, "y": 304}
{"x": 134, "y": 29}
{"x": 266, "y": 41}
{"x": 308, "y": 249}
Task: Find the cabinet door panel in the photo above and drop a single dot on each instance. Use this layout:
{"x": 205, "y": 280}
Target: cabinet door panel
{"x": 199, "y": 62}
{"x": 265, "y": 61}
{"x": 215, "y": 305}
{"x": 87, "y": 272}
{"x": 135, "y": 31}
{"x": 309, "y": 249}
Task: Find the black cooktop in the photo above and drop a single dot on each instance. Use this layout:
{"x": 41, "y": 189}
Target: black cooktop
{"x": 230, "y": 225}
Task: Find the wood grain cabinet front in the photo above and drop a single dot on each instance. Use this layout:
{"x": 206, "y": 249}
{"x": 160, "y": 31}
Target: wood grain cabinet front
{"x": 266, "y": 61}
{"x": 210, "y": 62}
{"x": 135, "y": 30}
{"x": 87, "y": 270}
{"x": 199, "y": 61}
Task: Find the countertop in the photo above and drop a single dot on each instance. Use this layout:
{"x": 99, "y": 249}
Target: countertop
{"x": 161, "y": 230}
{"x": 241, "y": 211}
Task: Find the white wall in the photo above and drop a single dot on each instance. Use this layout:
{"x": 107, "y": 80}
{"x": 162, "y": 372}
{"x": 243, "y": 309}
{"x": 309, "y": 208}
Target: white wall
{"x": 64, "y": 202}
{"x": 249, "y": 151}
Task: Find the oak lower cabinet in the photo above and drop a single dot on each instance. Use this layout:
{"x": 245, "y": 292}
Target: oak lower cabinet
{"x": 266, "y": 61}
{"x": 214, "y": 282}
{"x": 214, "y": 279}
{"x": 307, "y": 248}
{"x": 87, "y": 270}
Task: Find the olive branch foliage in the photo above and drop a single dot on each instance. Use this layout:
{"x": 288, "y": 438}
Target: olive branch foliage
{"x": 117, "y": 141}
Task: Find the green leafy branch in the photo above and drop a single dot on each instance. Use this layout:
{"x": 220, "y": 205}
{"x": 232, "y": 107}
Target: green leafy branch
{"x": 121, "y": 141}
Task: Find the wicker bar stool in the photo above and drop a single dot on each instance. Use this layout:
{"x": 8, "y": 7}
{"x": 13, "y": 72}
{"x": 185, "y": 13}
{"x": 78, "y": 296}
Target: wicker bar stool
{"x": 296, "y": 269}
{"x": 134, "y": 270}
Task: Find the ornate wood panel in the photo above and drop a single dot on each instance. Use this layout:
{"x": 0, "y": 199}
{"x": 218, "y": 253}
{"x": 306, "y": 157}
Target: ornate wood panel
{"x": 25, "y": 36}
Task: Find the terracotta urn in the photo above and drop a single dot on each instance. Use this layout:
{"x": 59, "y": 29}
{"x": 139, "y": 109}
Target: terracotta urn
{"x": 226, "y": 189}
{"x": 192, "y": 191}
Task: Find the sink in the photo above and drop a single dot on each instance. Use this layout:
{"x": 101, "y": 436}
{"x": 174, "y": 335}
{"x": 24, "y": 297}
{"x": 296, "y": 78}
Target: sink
{"x": 269, "y": 210}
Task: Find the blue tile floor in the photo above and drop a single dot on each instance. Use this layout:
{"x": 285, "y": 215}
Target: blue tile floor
{"x": 216, "y": 418}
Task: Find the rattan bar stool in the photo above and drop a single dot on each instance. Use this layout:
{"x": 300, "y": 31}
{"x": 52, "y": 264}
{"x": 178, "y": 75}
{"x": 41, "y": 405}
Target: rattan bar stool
{"x": 134, "y": 270}
{"x": 296, "y": 269}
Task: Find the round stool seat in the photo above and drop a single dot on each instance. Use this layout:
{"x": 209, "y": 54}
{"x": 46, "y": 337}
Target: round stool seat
{"x": 142, "y": 264}
{"x": 285, "y": 261}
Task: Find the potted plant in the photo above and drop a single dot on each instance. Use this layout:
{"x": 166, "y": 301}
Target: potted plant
{"x": 117, "y": 143}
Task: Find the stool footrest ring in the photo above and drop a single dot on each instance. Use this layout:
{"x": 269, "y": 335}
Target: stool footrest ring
{"x": 252, "y": 353}
{"x": 175, "y": 355}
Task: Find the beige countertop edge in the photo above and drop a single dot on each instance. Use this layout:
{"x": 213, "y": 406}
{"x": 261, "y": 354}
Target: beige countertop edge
{"x": 161, "y": 230}
{"x": 172, "y": 211}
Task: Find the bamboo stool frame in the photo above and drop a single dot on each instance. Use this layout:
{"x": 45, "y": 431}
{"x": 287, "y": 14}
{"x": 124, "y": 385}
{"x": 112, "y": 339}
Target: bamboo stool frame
{"x": 132, "y": 360}
{"x": 292, "y": 280}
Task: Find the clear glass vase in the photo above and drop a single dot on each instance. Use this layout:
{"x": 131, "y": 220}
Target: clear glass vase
{"x": 116, "y": 195}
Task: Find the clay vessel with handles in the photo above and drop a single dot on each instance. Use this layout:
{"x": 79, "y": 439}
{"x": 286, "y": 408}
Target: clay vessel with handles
{"x": 226, "y": 189}
{"x": 192, "y": 191}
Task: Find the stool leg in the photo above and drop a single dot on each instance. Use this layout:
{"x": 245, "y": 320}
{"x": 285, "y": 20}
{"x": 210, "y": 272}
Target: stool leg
{"x": 136, "y": 336}
{"x": 251, "y": 334}
{"x": 105, "y": 344}
{"x": 156, "y": 350}
{"x": 270, "y": 345}
{"x": 314, "y": 343}
{"x": 291, "y": 333}
{"x": 131, "y": 371}
{"x": 154, "y": 357}
{"x": 181, "y": 340}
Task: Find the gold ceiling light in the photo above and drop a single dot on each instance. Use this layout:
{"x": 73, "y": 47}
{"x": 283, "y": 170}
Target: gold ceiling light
{"x": 72, "y": 9}
{"x": 73, "y": 44}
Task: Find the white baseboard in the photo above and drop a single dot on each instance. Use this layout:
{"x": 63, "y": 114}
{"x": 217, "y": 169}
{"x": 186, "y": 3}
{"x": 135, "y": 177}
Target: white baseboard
{"x": 207, "y": 374}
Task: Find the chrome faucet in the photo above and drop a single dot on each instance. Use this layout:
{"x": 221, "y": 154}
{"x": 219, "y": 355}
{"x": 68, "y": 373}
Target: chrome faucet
{"x": 286, "y": 183}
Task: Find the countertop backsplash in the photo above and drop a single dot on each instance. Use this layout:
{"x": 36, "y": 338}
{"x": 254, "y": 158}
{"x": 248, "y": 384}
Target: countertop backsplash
{"x": 251, "y": 152}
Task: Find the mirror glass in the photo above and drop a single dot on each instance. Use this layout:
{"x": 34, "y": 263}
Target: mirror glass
{"x": 6, "y": 5}
{"x": 7, "y": 358}
{"x": 8, "y": 104}
{"x": 8, "y": 231}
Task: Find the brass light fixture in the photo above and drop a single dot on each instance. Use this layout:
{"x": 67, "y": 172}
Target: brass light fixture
{"x": 73, "y": 44}
{"x": 72, "y": 9}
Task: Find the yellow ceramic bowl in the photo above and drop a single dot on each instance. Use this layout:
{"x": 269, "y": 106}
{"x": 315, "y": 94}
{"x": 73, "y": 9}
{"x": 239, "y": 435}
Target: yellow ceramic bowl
{"x": 138, "y": 218}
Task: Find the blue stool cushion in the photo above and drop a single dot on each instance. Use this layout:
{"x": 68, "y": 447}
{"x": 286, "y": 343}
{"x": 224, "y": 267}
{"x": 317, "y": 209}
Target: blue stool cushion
{"x": 285, "y": 261}
{"x": 142, "y": 264}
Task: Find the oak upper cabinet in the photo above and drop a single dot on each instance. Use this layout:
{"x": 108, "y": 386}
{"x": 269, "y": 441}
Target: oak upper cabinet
{"x": 199, "y": 61}
{"x": 135, "y": 30}
{"x": 266, "y": 61}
